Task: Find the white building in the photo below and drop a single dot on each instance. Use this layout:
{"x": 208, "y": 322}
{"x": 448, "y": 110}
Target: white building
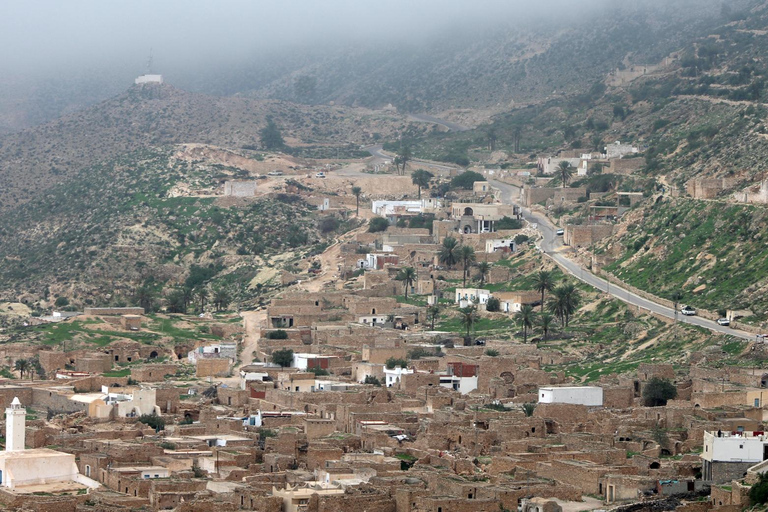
{"x": 734, "y": 447}
{"x": 149, "y": 79}
{"x": 393, "y": 376}
{"x": 384, "y": 208}
{"x": 499, "y": 245}
{"x": 726, "y": 454}
{"x": 550, "y": 165}
{"x": 468, "y": 296}
{"x": 578, "y": 395}
{"x": 619, "y": 150}
{"x": 463, "y": 385}
{"x": 217, "y": 350}
{"x": 20, "y": 467}
{"x": 372, "y": 320}
{"x": 302, "y": 361}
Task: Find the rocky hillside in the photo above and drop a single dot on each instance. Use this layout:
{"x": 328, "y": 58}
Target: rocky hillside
{"x": 713, "y": 253}
{"x": 116, "y": 226}
{"x": 35, "y": 159}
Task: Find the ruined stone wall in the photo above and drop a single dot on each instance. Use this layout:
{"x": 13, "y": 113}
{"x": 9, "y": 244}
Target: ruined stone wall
{"x": 618, "y": 398}
{"x": 214, "y": 367}
{"x": 153, "y": 372}
{"x": 52, "y": 360}
{"x": 625, "y": 166}
{"x": 94, "y": 363}
{"x": 586, "y": 235}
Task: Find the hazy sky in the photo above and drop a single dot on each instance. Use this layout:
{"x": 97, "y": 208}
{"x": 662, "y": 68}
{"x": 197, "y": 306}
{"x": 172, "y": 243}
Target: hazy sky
{"x": 40, "y": 35}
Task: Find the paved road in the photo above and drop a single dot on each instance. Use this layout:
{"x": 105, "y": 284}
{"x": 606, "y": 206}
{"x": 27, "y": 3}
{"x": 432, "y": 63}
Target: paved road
{"x": 551, "y": 244}
{"x": 378, "y": 153}
{"x": 425, "y": 118}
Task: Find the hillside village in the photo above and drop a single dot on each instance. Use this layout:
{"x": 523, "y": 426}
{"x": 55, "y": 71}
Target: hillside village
{"x": 527, "y": 273}
{"x": 411, "y": 366}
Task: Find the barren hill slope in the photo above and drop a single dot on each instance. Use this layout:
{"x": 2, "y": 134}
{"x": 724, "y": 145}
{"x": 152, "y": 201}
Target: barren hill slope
{"x": 33, "y": 160}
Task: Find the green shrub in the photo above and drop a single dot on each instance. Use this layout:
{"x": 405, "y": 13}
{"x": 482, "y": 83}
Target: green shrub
{"x": 283, "y": 357}
{"x": 277, "y": 335}
{"x": 492, "y": 352}
{"x": 493, "y": 305}
{"x": 370, "y": 379}
{"x": 509, "y": 223}
{"x": 519, "y": 239}
{"x": 318, "y": 371}
{"x": 392, "y": 362}
{"x": 153, "y": 420}
{"x": 466, "y": 180}
{"x": 758, "y": 494}
{"x": 378, "y": 224}
{"x": 658, "y": 391}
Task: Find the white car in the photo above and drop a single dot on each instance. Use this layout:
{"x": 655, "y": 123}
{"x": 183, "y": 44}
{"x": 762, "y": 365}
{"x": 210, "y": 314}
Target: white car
{"x": 275, "y": 173}
{"x": 723, "y": 321}
{"x": 320, "y": 175}
{"x": 560, "y": 232}
{"x": 688, "y": 311}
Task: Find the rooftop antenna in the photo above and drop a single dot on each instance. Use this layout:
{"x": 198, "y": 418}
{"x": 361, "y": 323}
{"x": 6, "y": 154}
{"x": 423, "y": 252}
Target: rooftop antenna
{"x": 149, "y": 62}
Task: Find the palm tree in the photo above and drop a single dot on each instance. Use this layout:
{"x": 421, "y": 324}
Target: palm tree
{"x": 186, "y": 294}
{"x": 449, "y": 252}
{"x": 483, "y": 267}
{"x": 544, "y": 283}
{"x": 176, "y": 302}
{"x": 356, "y": 191}
{"x": 565, "y": 171}
{"x": 491, "y": 136}
{"x": 564, "y": 302}
{"x": 408, "y": 276}
{"x": 404, "y": 155}
{"x": 517, "y": 131}
{"x": 467, "y": 257}
{"x": 526, "y": 317}
{"x": 545, "y": 322}
{"x": 432, "y": 312}
{"x": 468, "y": 317}
{"x": 22, "y": 365}
{"x": 202, "y": 295}
{"x": 421, "y": 179}
{"x": 220, "y": 298}
{"x": 144, "y": 297}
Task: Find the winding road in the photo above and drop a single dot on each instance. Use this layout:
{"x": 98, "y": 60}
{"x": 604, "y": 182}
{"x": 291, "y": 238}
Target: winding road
{"x": 377, "y": 151}
{"x": 552, "y": 246}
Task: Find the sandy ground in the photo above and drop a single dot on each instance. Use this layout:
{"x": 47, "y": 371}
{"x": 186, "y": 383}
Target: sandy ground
{"x": 14, "y": 309}
{"x": 578, "y": 506}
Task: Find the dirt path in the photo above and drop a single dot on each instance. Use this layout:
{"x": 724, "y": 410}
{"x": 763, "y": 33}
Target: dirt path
{"x": 329, "y": 263}
{"x": 252, "y": 323}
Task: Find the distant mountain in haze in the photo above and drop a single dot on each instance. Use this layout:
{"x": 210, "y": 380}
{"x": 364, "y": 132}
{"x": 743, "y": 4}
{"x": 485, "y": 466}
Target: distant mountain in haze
{"x": 459, "y": 67}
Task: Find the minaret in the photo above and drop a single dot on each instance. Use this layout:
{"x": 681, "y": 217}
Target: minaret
{"x": 15, "y": 426}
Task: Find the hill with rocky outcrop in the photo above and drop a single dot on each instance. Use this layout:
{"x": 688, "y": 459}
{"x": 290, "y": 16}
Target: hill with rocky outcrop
{"x": 33, "y": 160}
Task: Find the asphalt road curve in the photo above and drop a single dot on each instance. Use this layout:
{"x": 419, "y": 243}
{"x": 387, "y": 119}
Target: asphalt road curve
{"x": 550, "y": 244}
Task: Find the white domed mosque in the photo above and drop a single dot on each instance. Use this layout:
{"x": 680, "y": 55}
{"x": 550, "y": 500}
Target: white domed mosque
{"x": 39, "y": 469}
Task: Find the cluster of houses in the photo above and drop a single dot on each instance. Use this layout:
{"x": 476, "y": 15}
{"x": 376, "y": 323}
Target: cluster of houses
{"x": 352, "y": 401}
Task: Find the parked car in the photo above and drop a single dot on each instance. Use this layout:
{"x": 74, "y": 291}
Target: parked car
{"x": 275, "y": 173}
{"x": 688, "y": 311}
{"x": 320, "y": 175}
{"x": 724, "y": 321}
{"x": 480, "y": 342}
{"x": 560, "y": 232}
